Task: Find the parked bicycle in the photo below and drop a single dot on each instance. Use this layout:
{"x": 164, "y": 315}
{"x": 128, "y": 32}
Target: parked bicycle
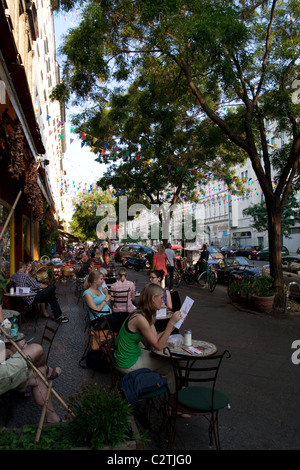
{"x": 194, "y": 274}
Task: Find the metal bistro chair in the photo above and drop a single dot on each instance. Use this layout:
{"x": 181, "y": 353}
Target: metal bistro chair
{"x": 102, "y": 340}
{"x": 79, "y": 288}
{"x": 196, "y": 398}
{"x": 176, "y": 302}
{"x": 108, "y": 345}
{"x": 49, "y": 333}
{"x": 154, "y": 403}
{"x": 120, "y": 299}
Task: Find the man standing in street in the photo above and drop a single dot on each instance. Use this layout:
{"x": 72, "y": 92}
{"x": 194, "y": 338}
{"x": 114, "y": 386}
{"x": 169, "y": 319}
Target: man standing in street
{"x": 171, "y": 265}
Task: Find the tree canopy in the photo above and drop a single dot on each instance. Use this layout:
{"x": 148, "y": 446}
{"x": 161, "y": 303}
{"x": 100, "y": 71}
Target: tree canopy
{"x": 88, "y": 213}
{"x": 237, "y": 60}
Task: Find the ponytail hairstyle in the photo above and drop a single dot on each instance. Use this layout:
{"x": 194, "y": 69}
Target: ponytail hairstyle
{"x": 145, "y": 304}
{"x": 93, "y": 275}
{"x": 122, "y": 274}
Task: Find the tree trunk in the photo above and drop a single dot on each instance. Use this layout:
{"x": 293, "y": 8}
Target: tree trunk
{"x": 275, "y": 243}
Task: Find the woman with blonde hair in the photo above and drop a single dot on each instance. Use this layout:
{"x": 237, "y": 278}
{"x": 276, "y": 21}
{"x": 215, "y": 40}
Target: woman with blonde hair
{"x": 122, "y": 285}
{"x": 130, "y": 355}
{"x": 98, "y": 299}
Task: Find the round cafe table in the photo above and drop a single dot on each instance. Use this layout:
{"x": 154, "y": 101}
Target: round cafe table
{"x": 204, "y": 349}
{"x": 19, "y": 338}
{"x": 8, "y": 313}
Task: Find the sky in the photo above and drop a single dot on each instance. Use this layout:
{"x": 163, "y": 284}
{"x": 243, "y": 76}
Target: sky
{"x": 79, "y": 162}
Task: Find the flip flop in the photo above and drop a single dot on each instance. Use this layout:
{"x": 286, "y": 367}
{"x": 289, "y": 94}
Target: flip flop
{"x": 183, "y": 415}
{"x": 61, "y": 420}
{"x": 54, "y": 374}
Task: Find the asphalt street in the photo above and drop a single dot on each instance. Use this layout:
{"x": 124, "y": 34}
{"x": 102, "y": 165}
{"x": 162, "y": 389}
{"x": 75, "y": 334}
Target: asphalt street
{"x": 260, "y": 378}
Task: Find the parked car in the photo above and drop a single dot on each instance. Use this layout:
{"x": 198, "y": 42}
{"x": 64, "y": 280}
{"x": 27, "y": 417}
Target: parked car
{"x": 228, "y": 251}
{"x": 291, "y": 273}
{"x": 237, "y": 267}
{"x": 215, "y": 254}
{"x": 264, "y": 253}
{"x": 250, "y": 251}
{"x": 132, "y": 250}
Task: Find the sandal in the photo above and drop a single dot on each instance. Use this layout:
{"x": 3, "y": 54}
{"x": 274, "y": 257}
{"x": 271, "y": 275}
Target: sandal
{"x": 53, "y": 374}
{"x": 183, "y": 415}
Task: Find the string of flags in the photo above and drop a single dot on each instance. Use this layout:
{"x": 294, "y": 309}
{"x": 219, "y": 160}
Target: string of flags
{"x": 215, "y": 195}
{"x": 117, "y": 153}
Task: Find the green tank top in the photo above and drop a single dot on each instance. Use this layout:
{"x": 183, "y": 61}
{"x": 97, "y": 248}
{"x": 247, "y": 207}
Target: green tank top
{"x": 128, "y": 347}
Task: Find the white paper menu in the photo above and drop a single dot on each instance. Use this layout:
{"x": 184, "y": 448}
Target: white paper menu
{"x": 185, "y": 308}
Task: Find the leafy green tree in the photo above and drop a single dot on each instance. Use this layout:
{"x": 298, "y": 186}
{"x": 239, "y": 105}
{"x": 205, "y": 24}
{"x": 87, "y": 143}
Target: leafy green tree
{"x": 240, "y": 53}
{"x": 164, "y": 148}
{"x": 290, "y": 216}
{"x": 85, "y": 219}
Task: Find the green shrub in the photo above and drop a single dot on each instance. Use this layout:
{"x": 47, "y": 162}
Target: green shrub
{"x": 54, "y": 437}
{"x": 102, "y": 417}
{"x": 263, "y": 286}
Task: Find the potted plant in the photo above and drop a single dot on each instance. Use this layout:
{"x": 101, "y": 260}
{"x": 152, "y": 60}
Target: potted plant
{"x": 263, "y": 294}
{"x": 245, "y": 292}
{"x": 234, "y": 291}
{"x": 102, "y": 420}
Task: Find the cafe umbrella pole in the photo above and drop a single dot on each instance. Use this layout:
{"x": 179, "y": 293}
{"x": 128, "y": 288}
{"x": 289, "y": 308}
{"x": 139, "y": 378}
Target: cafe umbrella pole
{"x": 37, "y": 371}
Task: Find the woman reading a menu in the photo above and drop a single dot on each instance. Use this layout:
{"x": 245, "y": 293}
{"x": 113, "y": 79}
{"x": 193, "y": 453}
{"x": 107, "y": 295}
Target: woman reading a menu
{"x": 130, "y": 353}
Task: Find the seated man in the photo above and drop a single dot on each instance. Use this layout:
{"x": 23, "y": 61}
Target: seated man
{"x": 16, "y": 374}
{"x": 108, "y": 263}
{"x": 45, "y": 294}
{"x": 85, "y": 268}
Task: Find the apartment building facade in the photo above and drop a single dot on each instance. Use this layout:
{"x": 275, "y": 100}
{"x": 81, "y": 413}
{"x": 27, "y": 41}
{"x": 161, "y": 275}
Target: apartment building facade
{"x": 31, "y": 146}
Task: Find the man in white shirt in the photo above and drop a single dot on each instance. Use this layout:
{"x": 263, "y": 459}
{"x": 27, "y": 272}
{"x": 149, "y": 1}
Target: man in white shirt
{"x": 171, "y": 268}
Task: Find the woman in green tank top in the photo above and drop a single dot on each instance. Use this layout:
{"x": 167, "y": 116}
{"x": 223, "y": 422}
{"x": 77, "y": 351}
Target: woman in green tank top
{"x": 130, "y": 353}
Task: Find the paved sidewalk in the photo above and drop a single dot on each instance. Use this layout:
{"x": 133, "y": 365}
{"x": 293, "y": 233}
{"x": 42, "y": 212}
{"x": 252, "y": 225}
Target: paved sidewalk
{"x": 261, "y": 380}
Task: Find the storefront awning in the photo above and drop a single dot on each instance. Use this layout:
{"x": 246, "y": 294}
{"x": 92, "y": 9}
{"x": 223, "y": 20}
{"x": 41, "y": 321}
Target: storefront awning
{"x": 68, "y": 236}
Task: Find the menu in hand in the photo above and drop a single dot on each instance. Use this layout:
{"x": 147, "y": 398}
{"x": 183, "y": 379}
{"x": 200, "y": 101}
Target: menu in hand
{"x": 185, "y": 308}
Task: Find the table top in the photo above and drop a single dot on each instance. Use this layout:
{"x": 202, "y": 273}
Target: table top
{"x": 168, "y": 315}
{"x": 204, "y": 349}
{"x": 30, "y": 294}
{"x": 19, "y": 338}
{"x": 8, "y": 313}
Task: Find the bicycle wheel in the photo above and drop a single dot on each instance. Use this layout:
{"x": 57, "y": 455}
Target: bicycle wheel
{"x": 202, "y": 279}
{"x": 177, "y": 278}
{"x": 188, "y": 279}
{"x": 212, "y": 281}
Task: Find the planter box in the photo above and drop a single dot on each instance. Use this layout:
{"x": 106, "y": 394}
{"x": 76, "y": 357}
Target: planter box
{"x": 263, "y": 304}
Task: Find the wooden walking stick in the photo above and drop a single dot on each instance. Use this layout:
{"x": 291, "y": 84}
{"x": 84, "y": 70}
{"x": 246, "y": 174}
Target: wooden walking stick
{"x": 42, "y": 418}
{"x": 37, "y": 371}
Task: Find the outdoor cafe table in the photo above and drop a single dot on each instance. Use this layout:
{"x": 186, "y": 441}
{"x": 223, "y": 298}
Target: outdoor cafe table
{"x": 206, "y": 349}
{"x": 8, "y": 313}
{"x": 19, "y": 338}
{"x": 16, "y": 298}
{"x": 20, "y": 296}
